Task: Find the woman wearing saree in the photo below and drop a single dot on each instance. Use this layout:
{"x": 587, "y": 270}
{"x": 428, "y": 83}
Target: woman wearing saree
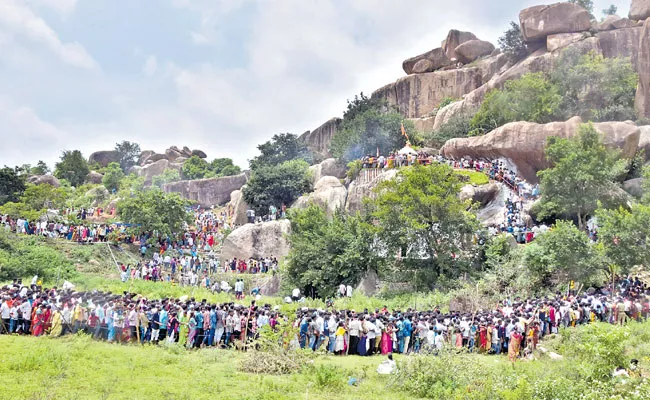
{"x": 57, "y": 325}
{"x": 514, "y": 345}
{"x": 38, "y": 322}
{"x": 191, "y": 325}
{"x": 387, "y": 339}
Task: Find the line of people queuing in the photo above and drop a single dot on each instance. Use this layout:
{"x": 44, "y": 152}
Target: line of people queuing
{"x": 513, "y": 326}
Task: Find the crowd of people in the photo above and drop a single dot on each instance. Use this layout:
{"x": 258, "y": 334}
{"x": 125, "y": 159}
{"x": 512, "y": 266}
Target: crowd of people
{"x": 512, "y": 327}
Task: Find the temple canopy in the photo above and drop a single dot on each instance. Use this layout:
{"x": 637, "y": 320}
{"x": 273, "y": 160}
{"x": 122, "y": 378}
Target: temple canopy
{"x": 407, "y": 150}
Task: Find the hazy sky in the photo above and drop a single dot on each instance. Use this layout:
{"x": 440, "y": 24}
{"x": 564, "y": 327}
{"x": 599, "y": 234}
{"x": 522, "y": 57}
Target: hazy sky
{"x": 219, "y": 75}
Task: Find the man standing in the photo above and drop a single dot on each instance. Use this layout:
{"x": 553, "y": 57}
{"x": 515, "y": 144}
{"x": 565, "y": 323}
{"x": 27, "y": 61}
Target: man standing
{"x": 354, "y": 328}
{"x": 221, "y": 324}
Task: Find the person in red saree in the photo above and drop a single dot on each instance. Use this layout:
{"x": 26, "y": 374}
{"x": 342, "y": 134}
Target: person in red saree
{"x": 483, "y": 342}
{"x": 38, "y": 323}
{"x": 47, "y": 317}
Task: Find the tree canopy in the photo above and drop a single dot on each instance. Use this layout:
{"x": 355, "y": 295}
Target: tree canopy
{"x": 328, "y": 252}
{"x": 155, "y": 210}
{"x": 112, "y": 177}
{"x": 12, "y": 184}
{"x": 420, "y": 217}
{"x": 277, "y": 185}
{"x": 128, "y": 153}
{"x": 583, "y": 173}
{"x": 512, "y": 43}
{"x": 73, "y": 167}
{"x": 281, "y": 148}
{"x": 198, "y": 168}
{"x": 625, "y": 235}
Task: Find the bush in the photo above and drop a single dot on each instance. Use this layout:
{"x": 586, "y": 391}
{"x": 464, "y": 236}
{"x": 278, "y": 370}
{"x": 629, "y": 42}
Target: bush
{"x": 457, "y": 126}
{"x": 26, "y": 257}
{"x": 325, "y": 376}
{"x": 512, "y": 43}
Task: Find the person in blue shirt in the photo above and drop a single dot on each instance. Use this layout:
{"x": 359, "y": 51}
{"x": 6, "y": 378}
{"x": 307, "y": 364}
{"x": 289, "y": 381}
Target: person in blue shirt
{"x": 213, "y": 325}
{"x": 407, "y": 330}
{"x": 304, "y": 328}
{"x": 164, "y": 318}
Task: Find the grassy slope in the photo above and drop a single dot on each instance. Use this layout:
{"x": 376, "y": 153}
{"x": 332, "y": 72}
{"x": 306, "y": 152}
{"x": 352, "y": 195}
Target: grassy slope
{"x": 77, "y": 367}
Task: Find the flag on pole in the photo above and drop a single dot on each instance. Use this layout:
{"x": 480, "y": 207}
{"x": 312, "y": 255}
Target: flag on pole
{"x": 408, "y": 141}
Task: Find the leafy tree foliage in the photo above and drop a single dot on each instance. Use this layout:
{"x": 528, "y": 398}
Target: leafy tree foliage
{"x": 277, "y": 185}
{"x": 35, "y": 201}
{"x": 458, "y": 126}
{"x": 594, "y": 87}
{"x": 155, "y": 210}
{"x": 281, "y": 148}
{"x": 369, "y": 125}
{"x": 12, "y": 184}
{"x": 41, "y": 168}
{"x": 112, "y": 177}
{"x": 560, "y": 255}
{"x": 582, "y": 174}
{"x": 197, "y": 168}
{"x": 168, "y": 176}
{"x": 625, "y": 235}
{"x": 611, "y": 10}
{"x": 28, "y": 257}
{"x": 129, "y": 154}
{"x": 73, "y": 167}
{"x": 419, "y": 216}
{"x": 531, "y": 98}
{"x": 326, "y": 253}
{"x": 512, "y": 43}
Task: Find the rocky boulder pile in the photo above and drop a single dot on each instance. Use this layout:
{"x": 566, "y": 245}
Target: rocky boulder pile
{"x": 329, "y": 193}
{"x": 172, "y": 154}
{"x": 104, "y": 157}
{"x": 44, "y": 179}
{"x": 208, "y": 192}
{"x": 538, "y": 22}
{"x": 94, "y": 177}
{"x": 639, "y": 10}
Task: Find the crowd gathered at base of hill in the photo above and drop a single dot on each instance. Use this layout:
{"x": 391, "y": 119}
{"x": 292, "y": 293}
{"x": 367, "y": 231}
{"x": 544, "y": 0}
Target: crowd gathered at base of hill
{"x": 513, "y": 326}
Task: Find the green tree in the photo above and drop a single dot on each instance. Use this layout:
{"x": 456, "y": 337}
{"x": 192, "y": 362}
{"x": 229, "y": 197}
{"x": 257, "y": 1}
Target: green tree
{"x": 12, "y": 185}
{"x": 560, "y": 255}
{"x": 112, "y": 177}
{"x": 420, "y": 216}
{"x": 582, "y": 174}
{"x": 512, "y": 43}
{"x": 35, "y": 201}
{"x": 277, "y": 185}
{"x": 73, "y": 167}
{"x": 368, "y": 127}
{"x": 531, "y": 98}
{"x": 131, "y": 185}
{"x": 168, "y": 176}
{"x": 594, "y": 87}
{"x": 586, "y": 4}
{"x": 611, "y": 10}
{"x": 281, "y": 148}
{"x": 41, "y": 168}
{"x": 625, "y": 235}
{"x": 195, "y": 168}
{"x": 155, "y": 210}
{"x": 328, "y": 252}
{"x": 224, "y": 167}
{"x": 129, "y": 153}
{"x": 458, "y": 126}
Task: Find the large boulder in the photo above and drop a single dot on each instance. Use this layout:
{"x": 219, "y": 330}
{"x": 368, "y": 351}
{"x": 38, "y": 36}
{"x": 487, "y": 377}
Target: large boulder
{"x": 639, "y": 10}
{"x": 473, "y": 50}
{"x": 523, "y": 143}
{"x": 540, "y": 21}
{"x": 561, "y": 40}
{"x": 186, "y": 152}
{"x": 94, "y": 177}
{"x": 319, "y": 139}
{"x": 44, "y": 179}
{"x": 642, "y": 103}
{"x": 198, "y": 153}
{"x": 634, "y": 187}
{"x": 144, "y": 156}
{"x": 328, "y": 167}
{"x": 329, "y": 194}
{"x": 621, "y": 43}
{"x": 454, "y": 39}
{"x": 607, "y": 24}
{"x": 238, "y": 207}
{"x": 483, "y": 194}
{"x": 154, "y": 169}
{"x": 208, "y": 192}
{"x": 104, "y": 158}
{"x": 268, "y": 239}
{"x": 423, "y": 66}
{"x": 369, "y": 285}
{"x": 363, "y": 187}
{"x": 437, "y": 58}
{"x": 173, "y": 153}
{"x": 644, "y": 140}
{"x": 424, "y": 124}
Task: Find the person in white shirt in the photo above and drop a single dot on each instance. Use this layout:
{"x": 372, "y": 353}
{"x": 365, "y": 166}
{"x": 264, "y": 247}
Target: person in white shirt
{"x": 371, "y": 336}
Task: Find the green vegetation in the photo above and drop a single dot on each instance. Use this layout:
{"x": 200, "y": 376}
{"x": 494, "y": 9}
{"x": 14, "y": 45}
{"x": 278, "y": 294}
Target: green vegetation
{"x": 26, "y": 258}
{"x": 327, "y": 252}
{"x": 280, "y": 149}
{"x": 611, "y": 10}
{"x": 35, "y": 201}
{"x": 274, "y": 185}
{"x": 368, "y": 126}
{"x": 531, "y": 98}
{"x": 73, "y": 167}
{"x": 41, "y": 168}
{"x": 458, "y": 126}
{"x": 155, "y": 210}
{"x": 12, "y": 184}
{"x": 112, "y": 177}
{"x": 128, "y": 154}
{"x": 583, "y": 173}
{"x": 168, "y": 176}
{"x": 512, "y": 43}
{"x": 474, "y": 177}
{"x": 197, "y": 168}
